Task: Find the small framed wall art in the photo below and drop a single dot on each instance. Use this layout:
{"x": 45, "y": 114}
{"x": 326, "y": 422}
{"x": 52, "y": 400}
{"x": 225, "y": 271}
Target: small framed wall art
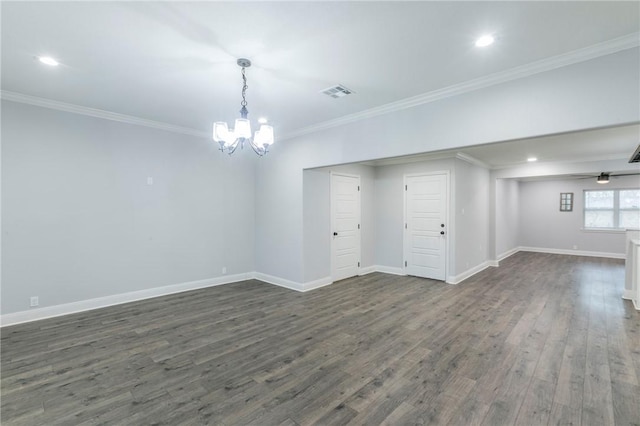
{"x": 566, "y": 201}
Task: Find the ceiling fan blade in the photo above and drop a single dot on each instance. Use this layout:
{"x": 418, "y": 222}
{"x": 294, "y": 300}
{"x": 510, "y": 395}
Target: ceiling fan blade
{"x": 626, "y": 174}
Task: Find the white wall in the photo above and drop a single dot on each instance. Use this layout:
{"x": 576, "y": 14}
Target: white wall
{"x": 543, "y": 225}
{"x": 565, "y": 99}
{"x": 79, "y": 220}
{"x": 507, "y": 216}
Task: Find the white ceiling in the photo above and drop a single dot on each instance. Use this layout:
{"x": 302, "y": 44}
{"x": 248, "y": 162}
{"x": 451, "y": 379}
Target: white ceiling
{"x": 174, "y": 62}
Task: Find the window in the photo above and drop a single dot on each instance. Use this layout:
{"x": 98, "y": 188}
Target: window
{"x": 612, "y": 209}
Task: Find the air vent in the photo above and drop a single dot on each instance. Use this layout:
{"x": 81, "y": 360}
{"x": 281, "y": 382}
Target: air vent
{"x": 635, "y": 157}
{"x": 338, "y": 91}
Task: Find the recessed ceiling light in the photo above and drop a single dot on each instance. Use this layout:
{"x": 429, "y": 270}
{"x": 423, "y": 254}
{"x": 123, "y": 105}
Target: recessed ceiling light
{"x": 485, "y": 40}
{"x": 262, "y": 120}
{"x": 48, "y": 60}
{"x": 532, "y": 159}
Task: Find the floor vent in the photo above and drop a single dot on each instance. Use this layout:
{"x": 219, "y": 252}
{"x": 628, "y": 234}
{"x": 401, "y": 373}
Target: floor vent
{"x": 338, "y": 91}
{"x": 635, "y": 158}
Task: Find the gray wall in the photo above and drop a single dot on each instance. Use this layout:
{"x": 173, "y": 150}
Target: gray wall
{"x": 317, "y": 224}
{"x": 389, "y": 201}
{"x": 317, "y": 218}
{"x": 79, "y": 220}
{"x": 544, "y": 226}
{"x": 507, "y": 226}
{"x": 565, "y": 99}
{"x": 472, "y": 199}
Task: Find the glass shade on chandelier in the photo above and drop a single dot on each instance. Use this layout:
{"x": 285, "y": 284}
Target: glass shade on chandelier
{"x": 230, "y": 139}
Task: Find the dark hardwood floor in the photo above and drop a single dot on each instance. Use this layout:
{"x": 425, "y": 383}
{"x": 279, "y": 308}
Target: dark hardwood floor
{"x": 544, "y": 339}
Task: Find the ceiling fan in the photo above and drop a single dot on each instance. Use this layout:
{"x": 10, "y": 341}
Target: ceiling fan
{"x": 605, "y": 177}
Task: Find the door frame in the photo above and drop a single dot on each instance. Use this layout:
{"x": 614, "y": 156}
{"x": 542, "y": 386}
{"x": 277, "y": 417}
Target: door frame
{"x": 331, "y": 213}
{"x": 449, "y": 227}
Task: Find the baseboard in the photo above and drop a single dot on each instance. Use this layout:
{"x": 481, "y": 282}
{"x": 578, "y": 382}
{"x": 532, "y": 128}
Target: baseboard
{"x": 116, "y": 299}
{"x": 280, "y": 282}
{"x": 636, "y": 305}
{"x": 508, "y": 253}
{"x": 470, "y": 272}
{"x": 627, "y": 294}
{"x": 389, "y": 270}
{"x": 367, "y": 270}
{"x": 574, "y": 252}
{"x": 312, "y": 285}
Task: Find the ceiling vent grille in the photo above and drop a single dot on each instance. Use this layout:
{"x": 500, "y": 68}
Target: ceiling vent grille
{"x": 635, "y": 157}
{"x": 337, "y": 91}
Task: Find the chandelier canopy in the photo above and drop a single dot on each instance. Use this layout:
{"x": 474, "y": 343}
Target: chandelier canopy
{"x": 230, "y": 139}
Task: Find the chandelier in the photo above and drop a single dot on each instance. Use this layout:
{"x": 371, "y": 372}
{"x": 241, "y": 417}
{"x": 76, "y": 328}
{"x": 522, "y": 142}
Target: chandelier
{"x": 230, "y": 139}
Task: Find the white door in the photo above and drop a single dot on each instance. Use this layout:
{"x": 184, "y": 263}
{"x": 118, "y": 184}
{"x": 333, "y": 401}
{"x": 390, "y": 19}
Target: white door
{"x": 345, "y": 223}
{"x": 425, "y": 225}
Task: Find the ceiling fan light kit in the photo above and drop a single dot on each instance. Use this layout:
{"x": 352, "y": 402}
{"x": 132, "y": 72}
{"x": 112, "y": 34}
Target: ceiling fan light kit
{"x": 603, "y": 178}
{"x": 230, "y": 139}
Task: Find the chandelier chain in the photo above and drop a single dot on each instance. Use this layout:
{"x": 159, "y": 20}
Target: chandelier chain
{"x": 244, "y": 89}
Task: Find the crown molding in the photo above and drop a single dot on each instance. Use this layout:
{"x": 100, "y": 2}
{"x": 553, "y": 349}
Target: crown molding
{"x": 98, "y": 113}
{"x": 472, "y": 160}
{"x": 591, "y": 52}
{"x": 629, "y": 41}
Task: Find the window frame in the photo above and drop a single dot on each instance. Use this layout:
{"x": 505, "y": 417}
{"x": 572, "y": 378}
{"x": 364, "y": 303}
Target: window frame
{"x": 615, "y": 209}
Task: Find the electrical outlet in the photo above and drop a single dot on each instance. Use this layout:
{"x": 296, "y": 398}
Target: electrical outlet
{"x": 33, "y": 302}
{"x": 224, "y": 270}
{"x": 149, "y": 180}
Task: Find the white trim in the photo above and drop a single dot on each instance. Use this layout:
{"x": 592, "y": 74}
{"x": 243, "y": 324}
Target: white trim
{"x": 627, "y": 294}
{"x": 573, "y": 252}
{"x": 292, "y": 285}
{"x": 116, "y": 299}
{"x": 280, "y": 282}
{"x": 389, "y": 270}
{"x": 507, "y": 254}
{"x": 312, "y": 285}
{"x": 457, "y": 279}
{"x": 367, "y": 270}
{"x": 99, "y": 113}
{"x": 472, "y": 160}
{"x": 591, "y": 52}
{"x": 604, "y": 230}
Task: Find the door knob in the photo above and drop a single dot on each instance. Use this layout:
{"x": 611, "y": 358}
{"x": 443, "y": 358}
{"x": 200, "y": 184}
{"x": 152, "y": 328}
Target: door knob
{"x": 335, "y": 234}
{"x": 441, "y": 232}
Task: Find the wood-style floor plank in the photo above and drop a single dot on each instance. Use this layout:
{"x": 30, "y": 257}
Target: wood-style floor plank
{"x": 543, "y": 339}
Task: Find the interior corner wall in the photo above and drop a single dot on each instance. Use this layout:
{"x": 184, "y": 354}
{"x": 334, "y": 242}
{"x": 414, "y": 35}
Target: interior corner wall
{"x": 507, "y": 216}
{"x": 544, "y": 226}
{"x": 317, "y": 218}
{"x": 565, "y": 99}
{"x": 472, "y": 199}
{"x": 80, "y": 220}
{"x": 389, "y": 207}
